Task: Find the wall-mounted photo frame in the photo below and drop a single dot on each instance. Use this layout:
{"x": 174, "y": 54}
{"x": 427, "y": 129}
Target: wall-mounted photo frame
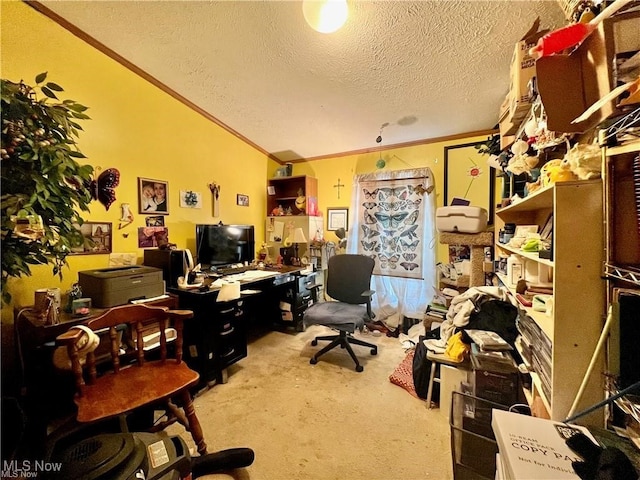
{"x": 155, "y": 221}
{"x": 337, "y": 218}
{"x": 97, "y": 238}
{"x": 153, "y": 196}
{"x": 467, "y": 175}
{"x": 152, "y": 237}
{"x": 190, "y": 199}
{"x": 242, "y": 200}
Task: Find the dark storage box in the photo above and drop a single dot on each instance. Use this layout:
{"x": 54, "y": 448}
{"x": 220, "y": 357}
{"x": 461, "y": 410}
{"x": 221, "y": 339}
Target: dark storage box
{"x": 497, "y": 381}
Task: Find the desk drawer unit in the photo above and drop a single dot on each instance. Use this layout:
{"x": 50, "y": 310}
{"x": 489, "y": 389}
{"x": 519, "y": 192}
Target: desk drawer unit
{"x": 216, "y": 337}
{"x": 300, "y": 295}
{"x": 231, "y": 333}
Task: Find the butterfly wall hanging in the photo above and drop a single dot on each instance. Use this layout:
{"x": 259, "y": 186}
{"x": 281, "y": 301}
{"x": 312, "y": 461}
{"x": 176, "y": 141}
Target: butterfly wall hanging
{"x": 103, "y": 187}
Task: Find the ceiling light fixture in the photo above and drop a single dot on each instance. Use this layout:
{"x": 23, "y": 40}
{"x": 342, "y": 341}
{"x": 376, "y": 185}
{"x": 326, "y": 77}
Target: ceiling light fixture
{"x": 325, "y": 16}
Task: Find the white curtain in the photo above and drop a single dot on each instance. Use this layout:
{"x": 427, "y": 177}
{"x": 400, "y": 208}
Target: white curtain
{"x": 396, "y": 296}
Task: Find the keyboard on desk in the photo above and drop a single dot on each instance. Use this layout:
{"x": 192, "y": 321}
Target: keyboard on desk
{"x": 233, "y": 270}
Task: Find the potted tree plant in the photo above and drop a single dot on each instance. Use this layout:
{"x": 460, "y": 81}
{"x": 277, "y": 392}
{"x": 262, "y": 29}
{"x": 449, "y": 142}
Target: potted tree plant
{"x": 43, "y": 185}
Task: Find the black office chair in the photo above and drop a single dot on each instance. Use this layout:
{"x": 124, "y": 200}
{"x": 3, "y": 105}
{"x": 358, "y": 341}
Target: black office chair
{"x": 348, "y": 283}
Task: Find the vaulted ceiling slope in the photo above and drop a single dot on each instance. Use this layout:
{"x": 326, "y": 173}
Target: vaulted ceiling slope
{"x": 427, "y": 69}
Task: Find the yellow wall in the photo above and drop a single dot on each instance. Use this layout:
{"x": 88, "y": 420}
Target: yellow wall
{"x": 138, "y": 129}
{"x": 144, "y": 132}
{"x": 328, "y": 171}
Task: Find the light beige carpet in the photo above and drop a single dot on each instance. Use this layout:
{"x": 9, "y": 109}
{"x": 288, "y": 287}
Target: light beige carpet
{"x": 324, "y": 421}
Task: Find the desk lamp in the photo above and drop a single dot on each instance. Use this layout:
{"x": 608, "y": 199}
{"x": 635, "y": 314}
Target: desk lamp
{"x": 298, "y": 238}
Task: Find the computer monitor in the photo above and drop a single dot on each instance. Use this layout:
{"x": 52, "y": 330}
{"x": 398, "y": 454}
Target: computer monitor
{"x": 223, "y": 245}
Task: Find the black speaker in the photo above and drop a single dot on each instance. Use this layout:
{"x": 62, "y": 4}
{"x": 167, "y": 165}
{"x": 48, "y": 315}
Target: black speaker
{"x": 172, "y": 263}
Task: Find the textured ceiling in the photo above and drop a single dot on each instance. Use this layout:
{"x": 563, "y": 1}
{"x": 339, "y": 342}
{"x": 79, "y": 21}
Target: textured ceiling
{"x": 428, "y": 69}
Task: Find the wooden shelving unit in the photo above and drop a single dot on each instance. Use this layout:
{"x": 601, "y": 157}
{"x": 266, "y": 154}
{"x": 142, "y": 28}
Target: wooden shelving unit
{"x": 578, "y": 302}
{"x": 287, "y": 189}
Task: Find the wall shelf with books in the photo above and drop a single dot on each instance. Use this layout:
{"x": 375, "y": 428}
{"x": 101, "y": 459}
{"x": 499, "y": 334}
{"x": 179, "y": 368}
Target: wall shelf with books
{"x": 570, "y": 335}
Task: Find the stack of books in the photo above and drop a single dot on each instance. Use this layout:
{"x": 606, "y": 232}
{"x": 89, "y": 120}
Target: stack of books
{"x": 436, "y": 313}
{"x": 488, "y": 341}
{"x": 535, "y": 349}
{"x": 532, "y": 447}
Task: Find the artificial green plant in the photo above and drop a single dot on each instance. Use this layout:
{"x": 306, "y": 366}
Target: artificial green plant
{"x": 43, "y": 185}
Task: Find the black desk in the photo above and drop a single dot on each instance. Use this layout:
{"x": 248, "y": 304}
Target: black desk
{"x": 216, "y": 337}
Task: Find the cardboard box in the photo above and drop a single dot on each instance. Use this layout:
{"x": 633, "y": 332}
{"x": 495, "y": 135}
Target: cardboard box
{"x": 507, "y": 127}
{"x": 523, "y": 69}
{"x": 569, "y": 84}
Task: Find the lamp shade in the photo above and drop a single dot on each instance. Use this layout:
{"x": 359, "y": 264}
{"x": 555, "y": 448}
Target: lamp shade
{"x": 298, "y": 236}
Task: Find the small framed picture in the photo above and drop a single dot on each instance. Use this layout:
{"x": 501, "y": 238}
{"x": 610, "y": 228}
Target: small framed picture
{"x": 155, "y": 221}
{"x": 242, "y": 200}
{"x": 152, "y": 237}
{"x": 190, "y": 199}
{"x": 153, "y": 196}
{"x": 81, "y": 307}
{"x": 337, "y": 218}
{"x": 97, "y": 238}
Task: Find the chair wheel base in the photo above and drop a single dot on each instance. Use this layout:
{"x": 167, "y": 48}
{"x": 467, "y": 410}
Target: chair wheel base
{"x": 359, "y": 368}
{"x": 374, "y": 351}
{"x": 314, "y": 342}
{"x": 313, "y": 361}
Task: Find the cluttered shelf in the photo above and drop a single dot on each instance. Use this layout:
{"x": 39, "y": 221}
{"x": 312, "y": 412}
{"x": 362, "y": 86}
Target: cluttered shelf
{"x": 541, "y": 198}
{"x": 528, "y": 255}
{"x": 545, "y": 322}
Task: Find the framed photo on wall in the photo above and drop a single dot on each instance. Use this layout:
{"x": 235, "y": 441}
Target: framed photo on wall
{"x": 97, "y": 238}
{"x": 242, "y": 200}
{"x": 337, "y": 218}
{"x": 153, "y": 196}
{"x": 467, "y": 176}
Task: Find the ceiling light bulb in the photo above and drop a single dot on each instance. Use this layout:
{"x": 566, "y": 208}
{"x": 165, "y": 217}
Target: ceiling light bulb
{"x": 325, "y": 16}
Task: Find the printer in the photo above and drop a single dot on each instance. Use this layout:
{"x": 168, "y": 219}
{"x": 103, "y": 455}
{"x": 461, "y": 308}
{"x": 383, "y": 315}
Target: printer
{"x": 108, "y": 287}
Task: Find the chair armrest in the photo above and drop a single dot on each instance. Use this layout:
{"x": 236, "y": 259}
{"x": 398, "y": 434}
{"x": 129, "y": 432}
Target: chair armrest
{"x": 368, "y": 294}
{"x": 68, "y": 337}
{"x": 180, "y": 314}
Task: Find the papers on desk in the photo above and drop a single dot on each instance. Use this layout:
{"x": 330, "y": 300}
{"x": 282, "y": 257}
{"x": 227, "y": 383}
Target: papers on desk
{"x": 145, "y": 300}
{"x": 229, "y": 291}
{"x": 250, "y": 292}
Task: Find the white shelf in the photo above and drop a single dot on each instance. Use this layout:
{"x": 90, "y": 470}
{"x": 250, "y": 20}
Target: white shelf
{"x": 542, "y": 320}
{"x": 541, "y": 198}
{"x": 537, "y": 386}
{"x": 528, "y": 255}
{"x": 578, "y": 289}
{"x": 622, "y": 149}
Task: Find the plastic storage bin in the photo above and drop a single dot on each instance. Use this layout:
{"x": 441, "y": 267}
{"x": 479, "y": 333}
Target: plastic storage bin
{"x": 473, "y": 444}
{"x": 461, "y": 219}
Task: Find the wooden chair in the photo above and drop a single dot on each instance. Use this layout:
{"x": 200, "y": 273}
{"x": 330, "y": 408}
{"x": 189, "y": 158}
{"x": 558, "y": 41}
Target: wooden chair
{"x": 140, "y": 382}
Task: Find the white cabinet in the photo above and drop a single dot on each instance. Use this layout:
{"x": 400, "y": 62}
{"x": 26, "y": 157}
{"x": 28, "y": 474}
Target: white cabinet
{"x": 573, "y": 328}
